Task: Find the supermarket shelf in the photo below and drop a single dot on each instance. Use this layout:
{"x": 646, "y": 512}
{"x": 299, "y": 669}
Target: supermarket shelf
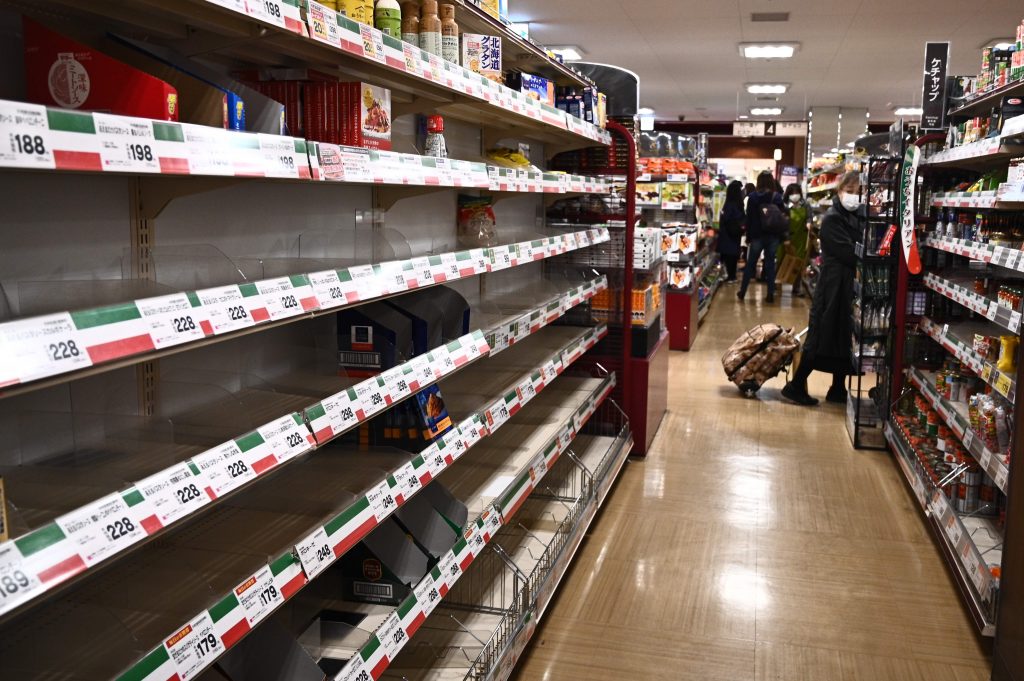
{"x": 1002, "y": 256}
{"x": 374, "y": 491}
{"x": 991, "y": 199}
{"x": 954, "y": 539}
{"x": 821, "y": 189}
{"x": 984, "y": 101}
{"x": 67, "y": 345}
{"x": 515, "y": 49}
{"x": 830, "y": 170}
{"x": 1003, "y": 315}
{"x": 225, "y": 468}
{"x": 94, "y": 142}
{"x": 504, "y": 474}
{"x": 318, "y": 37}
{"x": 984, "y": 153}
{"x": 948, "y": 338}
{"x": 955, "y": 416}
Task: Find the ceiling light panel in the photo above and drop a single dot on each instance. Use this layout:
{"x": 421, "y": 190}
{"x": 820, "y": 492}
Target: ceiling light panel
{"x": 766, "y": 111}
{"x": 768, "y": 50}
{"x": 908, "y": 111}
{"x": 769, "y": 16}
{"x": 767, "y": 88}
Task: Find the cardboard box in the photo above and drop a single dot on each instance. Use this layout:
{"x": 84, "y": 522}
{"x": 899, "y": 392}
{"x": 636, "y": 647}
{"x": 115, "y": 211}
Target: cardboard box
{"x": 65, "y": 73}
{"x": 537, "y": 88}
{"x": 482, "y": 54}
{"x": 366, "y": 115}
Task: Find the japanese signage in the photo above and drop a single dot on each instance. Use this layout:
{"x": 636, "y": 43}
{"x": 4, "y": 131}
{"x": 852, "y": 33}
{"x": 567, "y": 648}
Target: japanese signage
{"x": 908, "y": 182}
{"x": 769, "y": 129}
{"x": 936, "y": 59}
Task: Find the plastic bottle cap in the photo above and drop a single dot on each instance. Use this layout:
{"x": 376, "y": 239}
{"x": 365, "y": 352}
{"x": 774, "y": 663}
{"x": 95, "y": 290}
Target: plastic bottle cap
{"x": 435, "y": 123}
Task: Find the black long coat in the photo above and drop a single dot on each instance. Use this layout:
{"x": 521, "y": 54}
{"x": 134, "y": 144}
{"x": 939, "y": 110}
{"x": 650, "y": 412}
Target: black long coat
{"x": 830, "y": 327}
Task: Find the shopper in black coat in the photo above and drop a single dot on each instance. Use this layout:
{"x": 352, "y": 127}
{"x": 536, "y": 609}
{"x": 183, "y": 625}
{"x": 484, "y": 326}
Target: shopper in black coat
{"x": 759, "y": 238}
{"x": 730, "y": 228}
{"x": 828, "y": 346}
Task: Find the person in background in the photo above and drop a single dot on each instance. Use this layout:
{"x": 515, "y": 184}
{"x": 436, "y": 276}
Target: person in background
{"x": 798, "y": 214}
{"x": 730, "y": 228}
{"x": 827, "y": 346}
{"x": 762, "y": 238}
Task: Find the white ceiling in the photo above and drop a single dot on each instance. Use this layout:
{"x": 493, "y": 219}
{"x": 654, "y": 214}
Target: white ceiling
{"x": 853, "y": 53}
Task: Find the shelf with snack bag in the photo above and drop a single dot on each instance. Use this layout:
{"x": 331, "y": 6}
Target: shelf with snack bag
{"x": 950, "y": 337}
{"x": 367, "y": 487}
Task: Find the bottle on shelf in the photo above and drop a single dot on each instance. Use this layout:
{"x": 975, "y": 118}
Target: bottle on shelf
{"x": 435, "y": 145}
{"x": 411, "y": 23}
{"x": 449, "y": 34}
{"x": 387, "y": 18}
{"x": 430, "y": 28}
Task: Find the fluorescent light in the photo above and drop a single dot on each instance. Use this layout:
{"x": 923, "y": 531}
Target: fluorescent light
{"x": 767, "y": 88}
{"x": 521, "y": 29}
{"x": 766, "y": 111}
{"x": 645, "y": 111}
{"x": 909, "y": 111}
{"x": 568, "y": 52}
{"x": 768, "y": 50}
{"x": 744, "y": 116}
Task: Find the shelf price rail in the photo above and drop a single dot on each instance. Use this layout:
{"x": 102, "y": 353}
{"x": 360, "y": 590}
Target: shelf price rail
{"x": 310, "y": 556}
{"x": 75, "y": 542}
{"x": 1001, "y": 256}
{"x": 46, "y": 138}
{"x": 991, "y": 463}
{"x": 67, "y": 343}
{"x": 1004, "y": 384}
{"x": 394, "y": 634}
{"x": 961, "y": 553}
{"x": 989, "y": 151}
{"x": 990, "y": 309}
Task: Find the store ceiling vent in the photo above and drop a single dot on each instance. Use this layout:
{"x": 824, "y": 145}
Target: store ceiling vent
{"x": 766, "y": 98}
{"x": 769, "y": 16}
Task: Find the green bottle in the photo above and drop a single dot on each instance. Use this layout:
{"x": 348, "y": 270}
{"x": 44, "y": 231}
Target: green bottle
{"x": 387, "y": 18}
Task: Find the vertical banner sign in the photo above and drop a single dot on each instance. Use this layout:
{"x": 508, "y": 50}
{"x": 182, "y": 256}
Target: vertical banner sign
{"x": 936, "y": 59}
{"x": 908, "y": 182}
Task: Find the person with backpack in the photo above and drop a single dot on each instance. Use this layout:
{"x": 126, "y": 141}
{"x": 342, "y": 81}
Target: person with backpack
{"x": 767, "y": 227}
{"x": 730, "y": 228}
{"x": 830, "y": 325}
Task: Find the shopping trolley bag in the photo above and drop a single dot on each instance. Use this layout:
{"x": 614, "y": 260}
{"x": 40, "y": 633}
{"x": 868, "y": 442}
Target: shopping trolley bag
{"x": 759, "y": 355}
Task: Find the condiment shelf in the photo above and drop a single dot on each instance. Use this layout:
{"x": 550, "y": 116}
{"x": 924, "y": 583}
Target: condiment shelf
{"x": 1002, "y": 256}
{"x": 950, "y": 338}
{"x": 982, "y": 102}
{"x": 957, "y": 536}
{"x": 311, "y": 34}
{"x": 70, "y": 344}
{"x": 1003, "y": 315}
{"x": 228, "y": 465}
{"x": 356, "y": 504}
{"x": 65, "y": 140}
{"x": 983, "y": 153}
{"x": 955, "y": 416}
{"x": 991, "y": 199}
{"x": 494, "y": 484}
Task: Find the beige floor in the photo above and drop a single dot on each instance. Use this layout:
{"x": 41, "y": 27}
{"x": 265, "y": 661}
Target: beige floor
{"x": 755, "y": 543}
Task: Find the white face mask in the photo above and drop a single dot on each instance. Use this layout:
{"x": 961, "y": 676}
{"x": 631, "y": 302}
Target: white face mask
{"x": 851, "y": 202}
{"x": 793, "y": 198}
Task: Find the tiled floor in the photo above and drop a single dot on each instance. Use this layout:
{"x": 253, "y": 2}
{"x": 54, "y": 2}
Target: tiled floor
{"x": 755, "y": 543}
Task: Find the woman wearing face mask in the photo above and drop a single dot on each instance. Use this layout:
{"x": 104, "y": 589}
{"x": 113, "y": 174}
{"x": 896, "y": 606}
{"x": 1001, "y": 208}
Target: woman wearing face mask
{"x": 827, "y": 346}
{"x": 798, "y": 213}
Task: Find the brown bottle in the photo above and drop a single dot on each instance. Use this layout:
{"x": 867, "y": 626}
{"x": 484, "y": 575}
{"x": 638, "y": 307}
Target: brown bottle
{"x": 411, "y": 23}
{"x": 449, "y": 34}
{"x": 430, "y": 28}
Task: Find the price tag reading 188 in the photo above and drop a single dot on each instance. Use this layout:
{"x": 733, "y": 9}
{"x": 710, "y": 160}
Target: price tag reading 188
{"x": 25, "y": 140}
{"x": 17, "y": 582}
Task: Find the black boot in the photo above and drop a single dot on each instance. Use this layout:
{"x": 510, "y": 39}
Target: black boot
{"x": 742, "y": 293}
{"x": 794, "y": 393}
{"x": 836, "y": 395}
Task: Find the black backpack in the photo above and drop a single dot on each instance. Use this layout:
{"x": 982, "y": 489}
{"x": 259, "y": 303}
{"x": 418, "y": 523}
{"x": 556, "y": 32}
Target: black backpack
{"x": 774, "y": 222}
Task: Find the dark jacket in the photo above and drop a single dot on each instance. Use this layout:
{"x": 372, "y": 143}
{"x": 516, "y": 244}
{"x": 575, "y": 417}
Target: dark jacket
{"x": 730, "y": 229}
{"x": 754, "y": 203}
{"x": 830, "y": 326}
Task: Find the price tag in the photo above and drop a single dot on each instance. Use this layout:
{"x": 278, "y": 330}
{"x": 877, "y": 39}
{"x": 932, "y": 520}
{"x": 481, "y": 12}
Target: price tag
{"x": 171, "y": 320}
{"x": 422, "y": 372}
{"x": 986, "y": 373}
{"x": 1003, "y": 384}
{"x": 258, "y": 596}
{"x": 342, "y": 410}
{"x": 371, "y": 396}
{"x": 1001, "y": 477}
{"x": 328, "y": 289}
{"x": 427, "y": 595}
{"x": 40, "y": 346}
{"x": 315, "y": 553}
{"x": 268, "y": 10}
{"x": 285, "y": 437}
{"x": 355, "y": 670}
{"x": 102, "y": 528}
{"x": 392, "y": 636}
{"x": 25, "y": 138}
{"x": 281, "y": 159}
{"x": 373, "y": 43}
{"x": 434, "y": 459}
{"x": 968, "y": 439}
{"x": 413, "y": 60}
{"x": 225, "y": 309}
{"x": 443, "y": 361}
{"x": 224, "y": 467}
{"x": 175, "y": 492}
{"x": 500, "y": 258}
{"x": 194, "y": 647}
{"x": 279, "y": 298}
{"x": 526, "y": 390}
{"x": 382, "y": 501}
{"x": 18, "y": 580}
{"x": 1014, "y": 322}
{"x": 408, "y": 481}
{"x": 126, "y": 144}
{"x": 397, "y": 383}
{"x": 323, "y": 24}
{"x": 471, "y": 431}
{"x": 454, "y": 441}
{"x": 449, "y": 568}
{"x": 475, "y": 539}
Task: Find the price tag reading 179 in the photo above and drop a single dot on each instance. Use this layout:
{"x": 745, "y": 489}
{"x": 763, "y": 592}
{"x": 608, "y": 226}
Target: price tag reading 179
{"x": 194, "y": 647}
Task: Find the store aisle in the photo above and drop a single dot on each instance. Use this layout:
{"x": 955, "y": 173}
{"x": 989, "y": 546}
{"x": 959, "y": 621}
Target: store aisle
{"x": 755, "y": 543}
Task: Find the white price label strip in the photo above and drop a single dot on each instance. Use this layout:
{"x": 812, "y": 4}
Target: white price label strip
{"x": 315, "y": 553}
{"x": 103, "y": 528}
{"x": 39, "y": 347}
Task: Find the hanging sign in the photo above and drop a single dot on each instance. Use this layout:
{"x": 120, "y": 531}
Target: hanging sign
{"x": 936, "y": 60}
{"x": 908, "y": 182}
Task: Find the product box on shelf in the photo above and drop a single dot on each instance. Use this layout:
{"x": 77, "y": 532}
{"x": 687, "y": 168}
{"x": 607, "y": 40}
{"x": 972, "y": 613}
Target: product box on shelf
{"x": 482, "y": 54}
{"x": 65, "y": 73}
{"x": 373, "y": 338}
{"x": 534, "y": 87}
{"x": 366, "y": 112}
